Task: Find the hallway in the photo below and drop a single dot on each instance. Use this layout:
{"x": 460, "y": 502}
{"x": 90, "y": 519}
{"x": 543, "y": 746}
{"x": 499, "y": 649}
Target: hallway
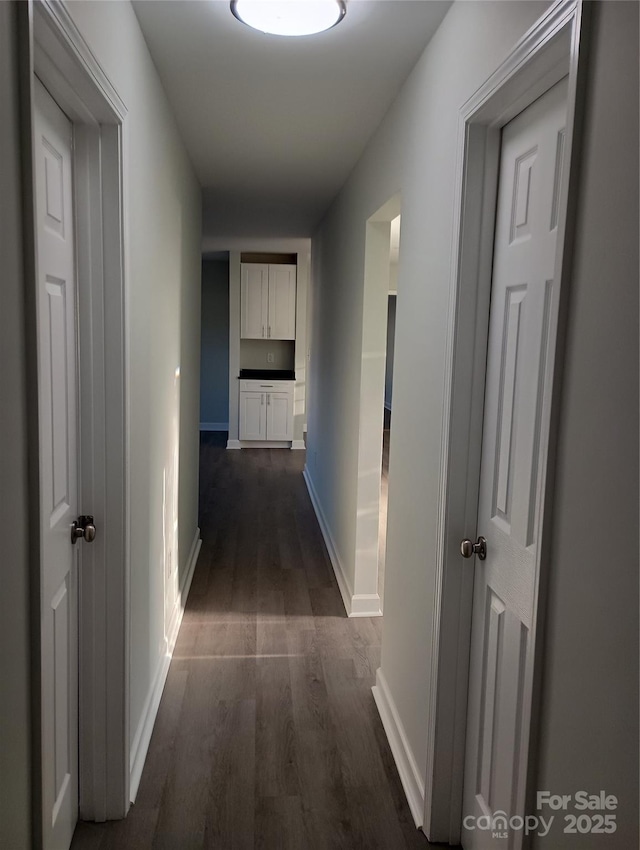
{"x": 267, "y": 734}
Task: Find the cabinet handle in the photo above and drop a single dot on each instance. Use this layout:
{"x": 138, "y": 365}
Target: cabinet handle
{"x": 268, "y": 399}
{"x": 262, "y": 399}
{"x": 263, "y": 330}
{"x": 269, "y": 332}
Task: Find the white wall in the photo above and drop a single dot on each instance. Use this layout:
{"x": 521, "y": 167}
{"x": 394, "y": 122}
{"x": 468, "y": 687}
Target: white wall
{"x": 15, "y": 749}
{"x": 589, "y": 731}
{"x": 214, "y": 357}
{"x": 413, "y": 152}
{"x": 589, "y": 721}
{"x": 164, "y": 271}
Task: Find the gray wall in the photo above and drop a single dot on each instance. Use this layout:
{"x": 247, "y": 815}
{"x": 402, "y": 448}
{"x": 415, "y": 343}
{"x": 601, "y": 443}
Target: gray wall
{"x": 164, "y": 278}
{"x": 214, "y": 343}
{"x": 589, "y": 720}
{"x": 15, "y": 805}
{"x": 391, "y": 340}
{"x": 164, "y": 274}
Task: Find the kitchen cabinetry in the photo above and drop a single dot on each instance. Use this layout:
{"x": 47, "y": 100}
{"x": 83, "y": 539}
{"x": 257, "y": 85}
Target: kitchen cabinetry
{"x": 266, "y": 410}
{"x": 268, "y": 301}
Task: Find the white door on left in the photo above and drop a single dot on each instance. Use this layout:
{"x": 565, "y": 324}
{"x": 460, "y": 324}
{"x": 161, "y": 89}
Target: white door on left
{"x": 57, "y": 392}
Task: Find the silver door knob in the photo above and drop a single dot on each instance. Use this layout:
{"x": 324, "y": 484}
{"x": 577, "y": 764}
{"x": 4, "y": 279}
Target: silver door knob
{"x": 468, "y": 548}
{"x": 83, "y": 528}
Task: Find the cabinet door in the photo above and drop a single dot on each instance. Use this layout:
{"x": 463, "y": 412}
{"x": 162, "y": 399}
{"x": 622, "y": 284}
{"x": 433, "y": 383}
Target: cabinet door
{"x": 254, "y": 298}
{"x": 253, "y": 415}
{"x": 279, "y": 416}
{"x": 282, "y": 302}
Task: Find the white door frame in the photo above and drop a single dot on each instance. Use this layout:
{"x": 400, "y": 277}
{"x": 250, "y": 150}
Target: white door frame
{"x": 362, "y": 598}
{"x": 58, "y": 54}
{"x": 552, "y": 49}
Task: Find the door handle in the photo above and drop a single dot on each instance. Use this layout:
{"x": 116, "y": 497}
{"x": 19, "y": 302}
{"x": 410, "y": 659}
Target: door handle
{"x": 468, "y": 548}
{"x": 84, "y": 528}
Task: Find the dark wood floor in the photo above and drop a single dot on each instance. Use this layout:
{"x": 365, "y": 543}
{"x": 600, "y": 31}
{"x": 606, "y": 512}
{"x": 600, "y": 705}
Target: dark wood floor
{"x": 267, "y": 734}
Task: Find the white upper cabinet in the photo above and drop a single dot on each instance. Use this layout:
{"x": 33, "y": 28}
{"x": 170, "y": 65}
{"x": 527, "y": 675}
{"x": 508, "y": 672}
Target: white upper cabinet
{"x": 268, "y": 301}
{"x": 254, "y": 301}
{"x": 282, "y": 302}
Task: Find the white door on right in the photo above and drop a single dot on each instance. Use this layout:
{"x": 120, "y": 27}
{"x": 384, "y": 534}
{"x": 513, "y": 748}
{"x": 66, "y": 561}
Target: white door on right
{"x": 502, "y": 651}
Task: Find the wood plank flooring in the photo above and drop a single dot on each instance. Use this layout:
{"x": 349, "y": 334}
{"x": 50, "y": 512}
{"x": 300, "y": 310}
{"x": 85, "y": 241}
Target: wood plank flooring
{"x": 267, "y": 735}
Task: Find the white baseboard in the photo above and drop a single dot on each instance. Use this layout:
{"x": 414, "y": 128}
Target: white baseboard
{"x": 145, "y": 727}
{"x": 214, "y": 426}
{"x": 412, "y": 781}
{"x": 356, "y": 605}
{"x": 366, "y": 605}
{"x": 263, "y": 444}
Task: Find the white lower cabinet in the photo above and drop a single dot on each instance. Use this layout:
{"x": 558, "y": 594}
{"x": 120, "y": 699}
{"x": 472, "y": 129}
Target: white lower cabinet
{"x": 266, "y": 411}
{"x": 279, "y": 416}
{"x": 253, "y": 422}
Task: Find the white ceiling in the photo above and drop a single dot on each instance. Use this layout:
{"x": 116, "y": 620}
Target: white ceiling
{"x": 274, "y": 125}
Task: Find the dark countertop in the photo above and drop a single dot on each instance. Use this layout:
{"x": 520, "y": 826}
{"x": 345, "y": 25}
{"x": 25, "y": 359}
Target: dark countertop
{"x": 269, "y": 374}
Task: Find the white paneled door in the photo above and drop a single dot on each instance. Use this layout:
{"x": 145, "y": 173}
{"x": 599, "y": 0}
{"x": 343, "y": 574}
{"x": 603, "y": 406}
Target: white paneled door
{"x": 57, "y": 377}
{"x": 505, "y": 585}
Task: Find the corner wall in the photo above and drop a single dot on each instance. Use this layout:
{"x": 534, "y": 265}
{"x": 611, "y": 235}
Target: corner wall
{"x": 588, "y": 731}
{"x": 15, "y": 692}
{"x": 163, "y": 236}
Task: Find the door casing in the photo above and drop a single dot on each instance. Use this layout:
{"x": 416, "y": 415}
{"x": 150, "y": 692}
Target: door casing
{"x": 552, "y": 49}
{"x": 53, "y": 49}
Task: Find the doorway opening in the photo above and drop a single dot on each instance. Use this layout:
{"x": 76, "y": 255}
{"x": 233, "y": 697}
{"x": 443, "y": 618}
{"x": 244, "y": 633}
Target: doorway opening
{"x": 214, "y": 343}
{"x": 366, "y": 600}
{"x": 394, "y": 254}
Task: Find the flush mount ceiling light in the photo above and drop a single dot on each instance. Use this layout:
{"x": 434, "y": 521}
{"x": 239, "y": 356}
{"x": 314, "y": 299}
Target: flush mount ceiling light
{"x": 289, "y": 17}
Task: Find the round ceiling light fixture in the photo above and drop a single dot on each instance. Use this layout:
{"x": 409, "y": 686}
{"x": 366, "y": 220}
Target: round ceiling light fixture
{"x": 289, "y": 17}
